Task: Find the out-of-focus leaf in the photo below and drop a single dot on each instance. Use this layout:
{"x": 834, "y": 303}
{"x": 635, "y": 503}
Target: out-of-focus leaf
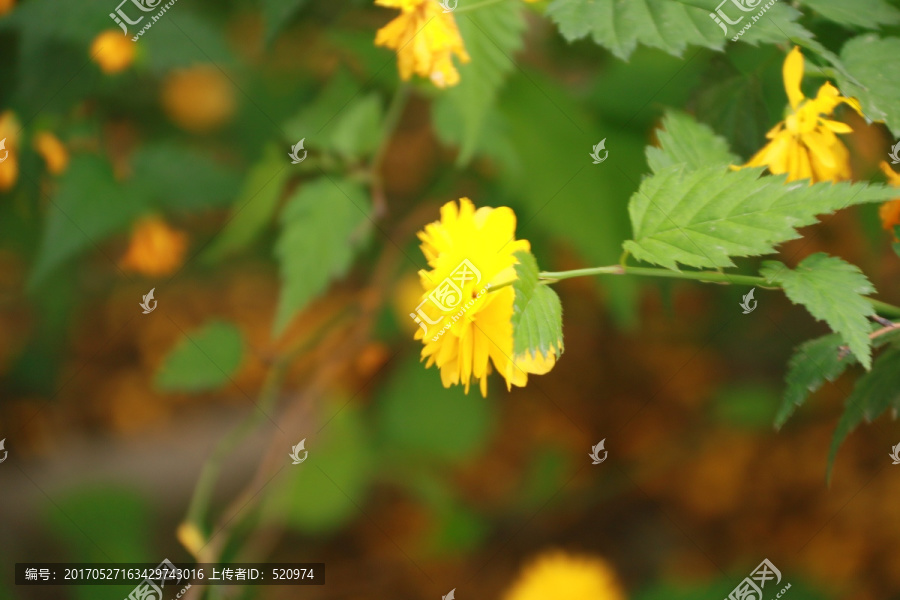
{"x": 746, "y": 406}
{"x": 177, "y": 178}
{"x": 312, "y": 121}
{"x": 88, "y": 207}
{"x": 255, "y": 205}
{"x": 450, "y": 426}
{"x": 871, "y": 14}
{"x": 180, "y": 39}
{"x": 492, "y": 36}
{"x": 357, "y": 130}
{"x": 684, "y": 140}
{"x": 202, "y": 360}
{"x": 40, "y": 20}
{"x": 875, "y": 392}
{"x": 537, "y": 313}
{"x": 813, "y": 363}
{"x": 863, "y": 58}
{"x": 326, "y": 490}
{"x": 896, "y": 245}
{"x": 323, "y": 224}
{"x": 703, "y": 218}
{"x": 277, "y": 13}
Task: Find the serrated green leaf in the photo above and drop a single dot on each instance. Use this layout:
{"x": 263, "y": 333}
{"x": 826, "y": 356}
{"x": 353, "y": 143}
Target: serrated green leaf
{"x": 492, "y": 35}
{"x": 683, "y": 140}
{"x": 357, "y": 130}
{"x": 702, "y": 218}
{"x": 871, "y": 14}
{"x": 255, "y": 205}
{"x": 813, "y": 363}
{"x": 202, "y": 360}
{"x": 323, "y": 224}
{"x": 864, "y": 59}
{"x": 88, "y": 207}
{"x": 537, "y": 312}
{"x": 177, "y": 178}
{"x": 670, "y": 25}
{"x": 832, "y": 290}
{"x": 875, "y": 392}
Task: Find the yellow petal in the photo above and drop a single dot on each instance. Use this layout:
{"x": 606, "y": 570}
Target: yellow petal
{"x": 792, "y": 72}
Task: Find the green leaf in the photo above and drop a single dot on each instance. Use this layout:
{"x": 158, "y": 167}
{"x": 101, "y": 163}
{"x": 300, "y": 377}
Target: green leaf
{"x": 684, "y": 140}
{"x": 357, "y": 130}
{"x": 326, "y": 490}
{"x": 88, "y": 207}
{"x": 178, "y": 178}
{"x": 871, "y": 14}
{"x": 414, "y": 395}
{"x": 179, "y": 39}
{"x": 255, "y": 205}
{"x": 537, "y": 312}
{"x": 669, "y": 25}
{"x": 865, "y": 58}
{"x": 277, "y": 13}
{"x": 813, "y": 363}
{"x": 202, "y": 360}
{"x": 896, "y": 245}
{"x": 875, "y": 392}
{"x": 702, "y": 218}
{"x": 323, "y": 224}
{"x": 833, "y": 291}
{"x": 492, "y": 35}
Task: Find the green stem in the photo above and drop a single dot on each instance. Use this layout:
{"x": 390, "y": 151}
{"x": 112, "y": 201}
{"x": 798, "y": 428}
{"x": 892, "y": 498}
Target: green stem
{"x": 477, "y": 5}
{"x": 391, "y": 120}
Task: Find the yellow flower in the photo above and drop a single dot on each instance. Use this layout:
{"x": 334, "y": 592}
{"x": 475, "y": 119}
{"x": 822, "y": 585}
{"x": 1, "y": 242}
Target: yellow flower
{"x": 565, "y": 577}
{"x": 6, "y": 6}
{"x": 112, "y": 51}
{"x": 53, "y": 151}
{"x": 155, "y": 248}
{"x": 804, "y": 145}
{"x": 199, "y": 99}
{"x": 9, "y": 135}
{"x": 469, "y": 326}
{"x": 425, "y": 38}
{"x": 890, "y": 211}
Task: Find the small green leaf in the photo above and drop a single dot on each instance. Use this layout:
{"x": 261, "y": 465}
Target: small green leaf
{"x": 702, "y": 218}
{"x": 202, "y": 360}
{"x": 492, "y": 35}
{"x": 178, "y": 178}
{"x": 863, "y": 58}
{"x": 323, "y": 224}
{"x": 833, "y": 291}
{"x": 537, "y": 312}
{"x": 813, "y": 363}
{"x": 683, "y": 140}
{"x": 255, "y": 205}
{"x": 871, "y": 14}
{"x": 875, "y": 392}
{"x": 357, "y": 130}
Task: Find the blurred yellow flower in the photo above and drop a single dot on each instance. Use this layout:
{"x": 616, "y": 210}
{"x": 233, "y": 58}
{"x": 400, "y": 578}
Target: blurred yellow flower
{"x": 112, "y": 51}
{"x": 53, "y": 151}
{"x": 9, "y": 136}
{"x": 562, "y": 576}
{"x": 890, "y": 211}
{"x": 804, "y": 145}
{"x": 6, "y": 6}
{"x": 425, "y": 39}
{"x": 198, "y": 99}
{"x": 155, "y": 248}
{"x": 468, "y": 325}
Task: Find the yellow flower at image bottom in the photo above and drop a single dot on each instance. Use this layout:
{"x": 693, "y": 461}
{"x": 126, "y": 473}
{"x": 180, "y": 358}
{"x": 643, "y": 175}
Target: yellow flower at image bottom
{"x": 425, "y": 39}
{"x": 805, "y": 144}
{"x": 155, "y": 248}
{"x": 465, "y": 326}
{"x": 561, "y": 576}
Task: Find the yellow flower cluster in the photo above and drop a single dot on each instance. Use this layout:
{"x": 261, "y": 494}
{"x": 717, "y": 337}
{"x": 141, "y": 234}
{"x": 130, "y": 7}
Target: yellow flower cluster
{"x": 562, "y": 576}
